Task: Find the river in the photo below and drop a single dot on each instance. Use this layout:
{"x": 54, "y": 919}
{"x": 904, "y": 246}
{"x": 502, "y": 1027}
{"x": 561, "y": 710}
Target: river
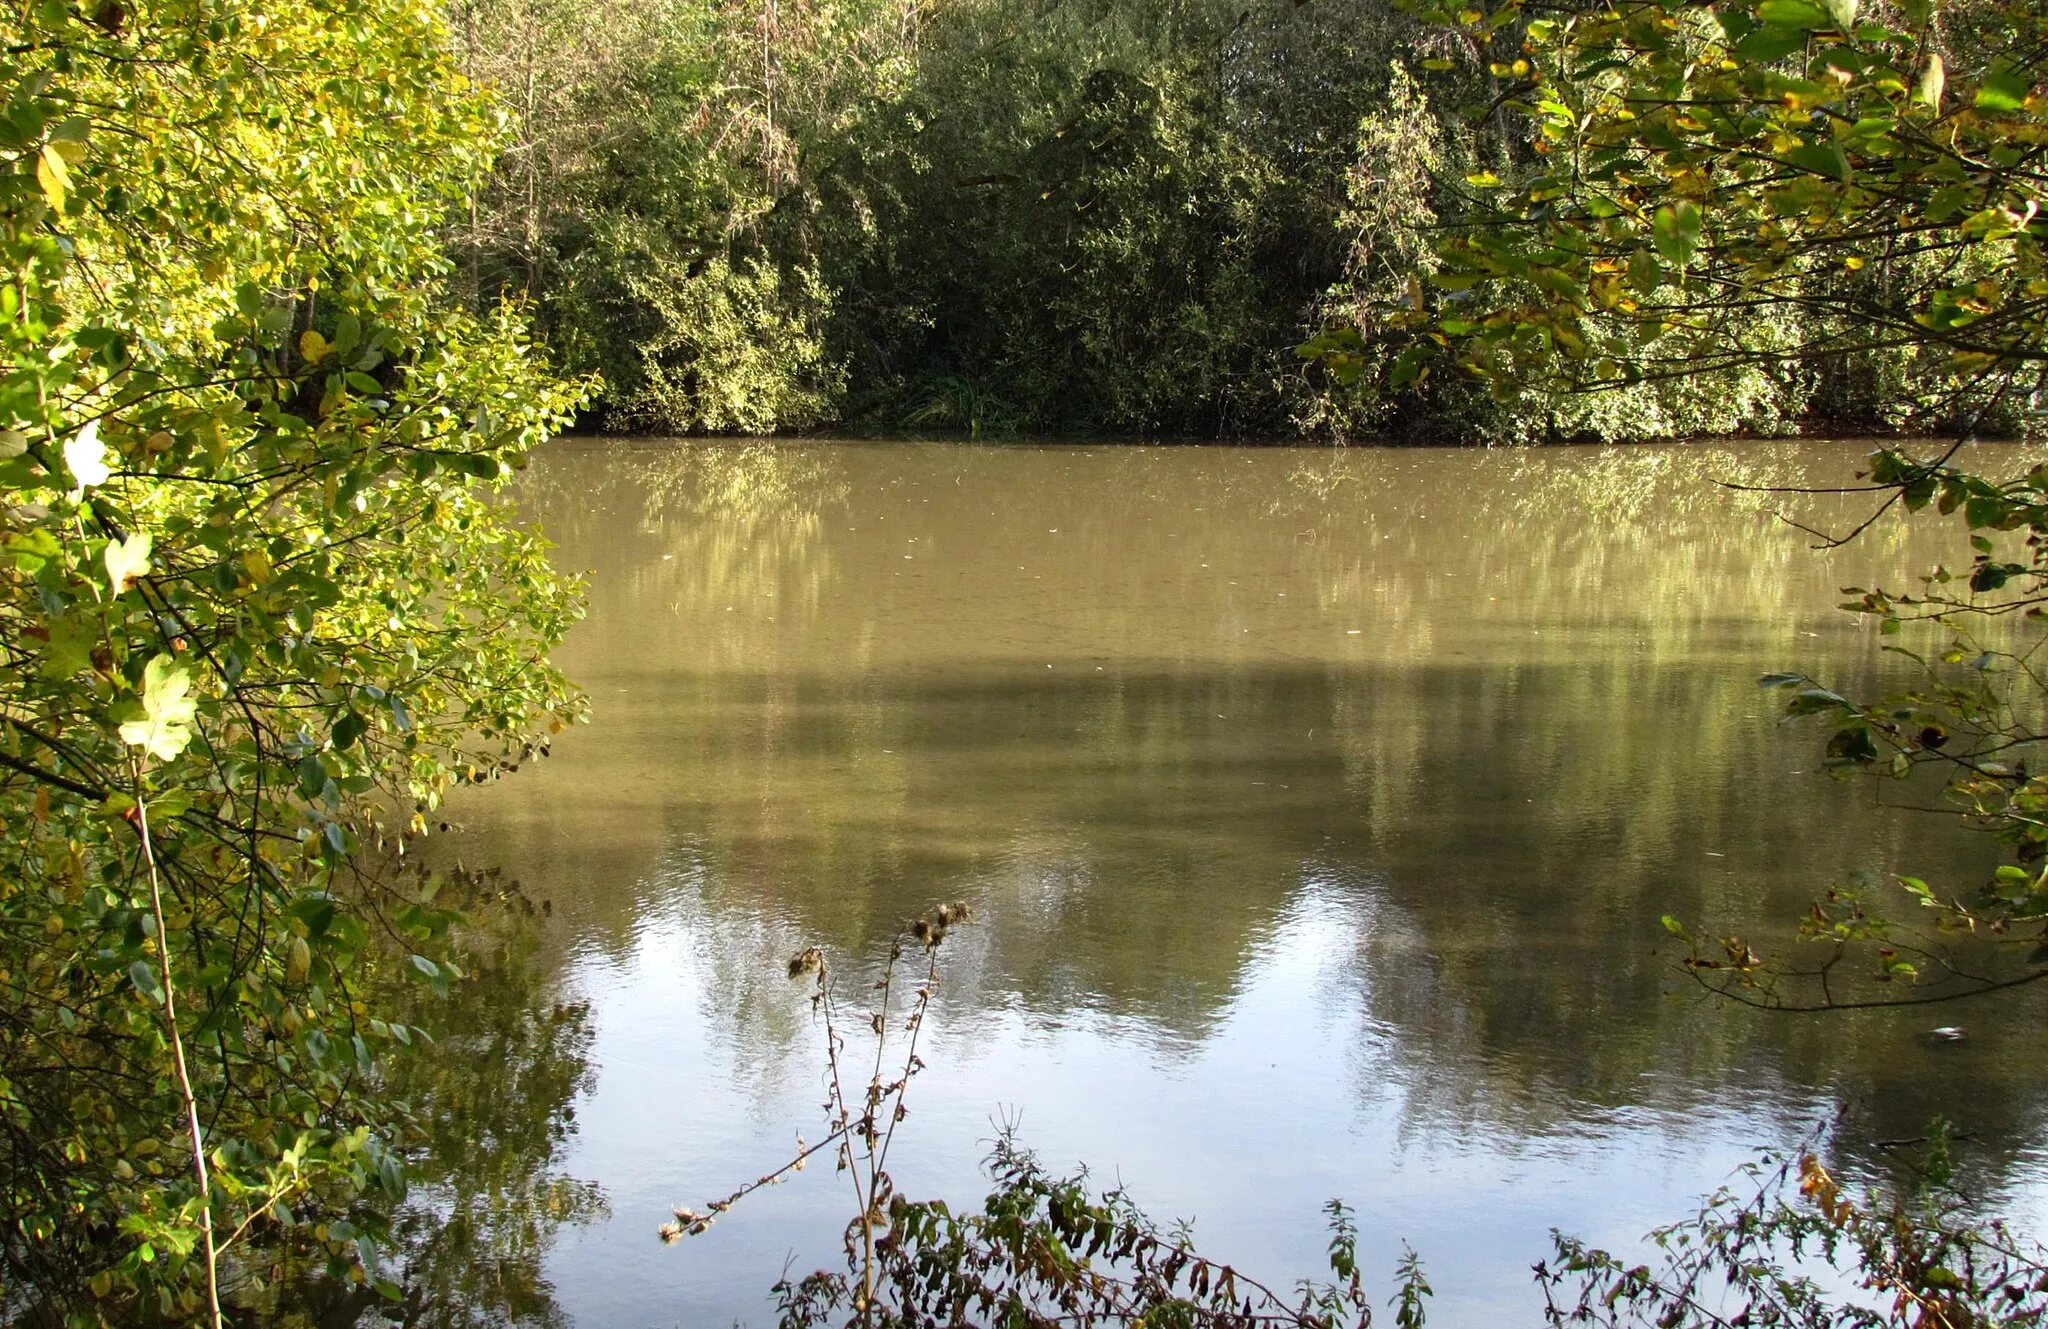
{"x": 1318, "y": 809}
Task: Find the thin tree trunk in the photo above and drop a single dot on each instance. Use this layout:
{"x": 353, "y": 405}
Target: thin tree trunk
{"x": 163, "y": 956}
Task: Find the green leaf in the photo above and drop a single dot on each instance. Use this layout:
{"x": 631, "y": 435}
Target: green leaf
{"x": 2002, "y": 89}
{"x": 312, "y": 776}
{"x": 1852, "y": 746}
{"x": 1989, "y": 577}
{"x": 348, "y": 331}
{"x": 1813, "y": 701}
{"x": 170, "y": 804}
{"x": 69, "y": 648}
{"x": 1770, "y": 44}
{"x": 436, "y": 975}
{"x": 33, "y": 549}
{"x": 1795, "y": 14}
{"x": 1779, "y": 680}
{"x": 315, "y": 911}
{"x": 1820, "y": 159}
{"x": 1676, "y": 231}
{"x": 1411, "y": 367}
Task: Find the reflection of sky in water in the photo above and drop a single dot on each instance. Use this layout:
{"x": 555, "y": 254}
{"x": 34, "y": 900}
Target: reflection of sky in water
{"x": 1294, "y": 1096}
{"x": 1324, "y": 860}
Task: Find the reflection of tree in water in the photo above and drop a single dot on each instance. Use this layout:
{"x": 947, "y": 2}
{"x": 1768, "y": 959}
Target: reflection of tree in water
{"x": 493, "y": 1099}
{"x": 1573, "y": 1018}
{"x": 712, "y": 521}
{"x": 1134, "y": 827}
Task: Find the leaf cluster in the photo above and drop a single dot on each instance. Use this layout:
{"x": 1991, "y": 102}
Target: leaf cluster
{"x": 1774, "y": 183}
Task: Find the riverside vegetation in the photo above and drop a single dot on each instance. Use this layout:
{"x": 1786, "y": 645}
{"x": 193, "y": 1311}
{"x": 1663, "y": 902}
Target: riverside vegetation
{"x": 1065, "y": 216}
{"x": 261, "y": 610}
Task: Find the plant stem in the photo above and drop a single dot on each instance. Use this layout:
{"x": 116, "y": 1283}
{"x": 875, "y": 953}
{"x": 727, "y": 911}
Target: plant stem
{"x": 163, "y": 956}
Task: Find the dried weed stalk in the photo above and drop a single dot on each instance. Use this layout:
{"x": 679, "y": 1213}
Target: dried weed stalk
{"x": 1044, "y": 1251}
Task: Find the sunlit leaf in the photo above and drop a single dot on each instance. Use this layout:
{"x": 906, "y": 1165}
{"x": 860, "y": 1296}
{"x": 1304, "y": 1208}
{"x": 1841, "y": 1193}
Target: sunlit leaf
{"x": 127, "y": 560}
{"x": 86, "y": 458}
{"x": 53, "y": 176}
{"x": 168, "y": 709}
{"x": 1796, "y": 14}
{"x": 1933, "y": 80}
{"x": 2003, "y": 88}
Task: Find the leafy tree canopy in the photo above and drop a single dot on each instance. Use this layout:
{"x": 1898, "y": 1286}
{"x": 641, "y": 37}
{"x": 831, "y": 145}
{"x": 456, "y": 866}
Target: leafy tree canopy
{"x": 258, "y": 610}
{"x": 1710, "y": 186}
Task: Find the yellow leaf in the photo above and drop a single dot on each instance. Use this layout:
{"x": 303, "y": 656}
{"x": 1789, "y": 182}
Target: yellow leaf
{"x": 53, "y": 177}
{"x": 313, "y": 346}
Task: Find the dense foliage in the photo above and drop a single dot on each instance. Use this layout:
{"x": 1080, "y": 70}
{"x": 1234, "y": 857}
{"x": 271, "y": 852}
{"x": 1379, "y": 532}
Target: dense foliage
{"x": 1766, "y": 184}
{"x": 258, "y": 610}
{"x": 1005, "y": 215}
{"x": 1851, "y": 195}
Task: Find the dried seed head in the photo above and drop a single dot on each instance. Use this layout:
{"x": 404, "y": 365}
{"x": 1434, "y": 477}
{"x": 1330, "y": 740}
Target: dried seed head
{"x": 809, "y": 960}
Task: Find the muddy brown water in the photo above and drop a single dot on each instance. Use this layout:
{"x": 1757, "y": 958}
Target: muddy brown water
{"x": 1319, "y": 809}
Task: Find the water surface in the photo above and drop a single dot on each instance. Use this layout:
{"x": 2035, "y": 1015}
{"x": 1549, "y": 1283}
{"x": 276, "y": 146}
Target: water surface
{"x": 1319, "y": 809}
